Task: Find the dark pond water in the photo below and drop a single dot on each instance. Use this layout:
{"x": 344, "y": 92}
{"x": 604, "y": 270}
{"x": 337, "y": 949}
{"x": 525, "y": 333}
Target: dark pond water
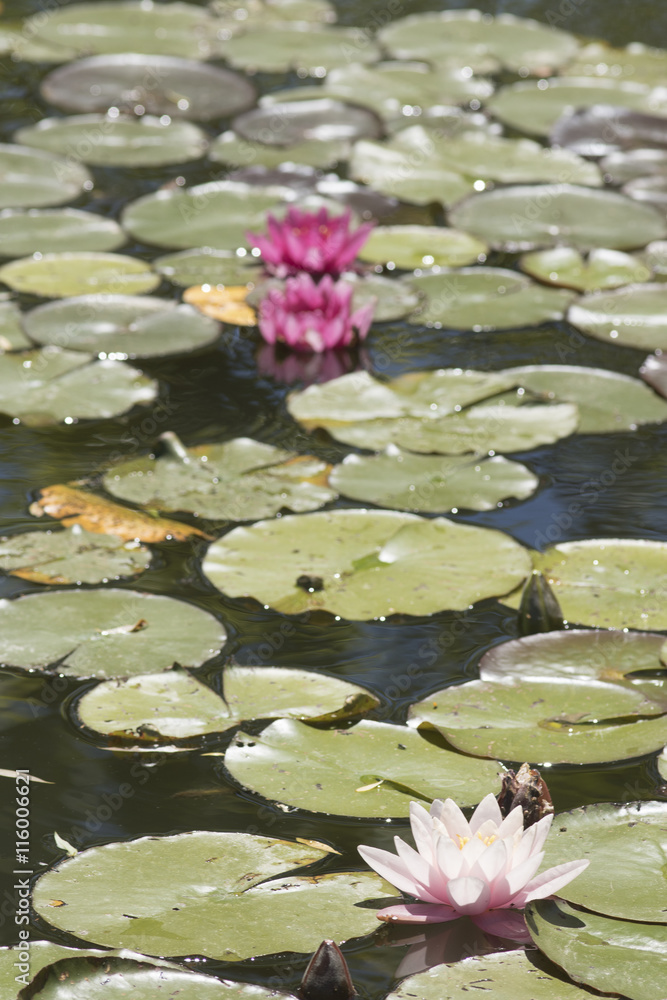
{"x": 220, "y": 394}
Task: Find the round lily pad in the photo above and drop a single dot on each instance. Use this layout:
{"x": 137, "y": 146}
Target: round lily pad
{"x": 544, "y": 215}
{"x": 486, "y": 298}
{"x": 204, "y": 893}
{"x": 176, "y": 706}
{"x": 205, "y": 266}
{"x": 535, "y": 106}
{"x": 56, "y": 230}
{"x": 118, "y": 141}
{"x": 372, "y": 769}
{"x": 421, "y": 246}
{"x": 600, "y": 269}
{"x": 605, "y": 832}
{"x": 151, "y": 84}
{"x": 608, "y": 583}
{"x": 311, "y": 48}
{"x": 123, "y": 326}
{"x": 546, "y": 722}
{"x": 635, "y": 954}
{"x": 52, "y": 385}
{"x": 71, "y": 556}
{"x": 238, "y": 480}
{"x": 32, "y": 178}
{"x": 178, "y": 29}
{"x": 634, "y": 315}
{"x": 322, "y": 120}
{"x": 431, "y": 484}
{"x": 230, "y": 148}
{"x": 605, "y": 128}
{"x": 485, "y": 43}
{"x": 110, "y": 633}
{"x": 59, "y": 275}
{"x": 366, "y": 564}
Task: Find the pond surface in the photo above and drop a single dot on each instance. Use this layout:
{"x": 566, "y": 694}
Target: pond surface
{"x": 219, "y": 393}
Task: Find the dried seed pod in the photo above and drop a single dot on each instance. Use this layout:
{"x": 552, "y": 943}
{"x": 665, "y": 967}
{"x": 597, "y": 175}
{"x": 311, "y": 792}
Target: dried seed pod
{"x": 528, "y": 789}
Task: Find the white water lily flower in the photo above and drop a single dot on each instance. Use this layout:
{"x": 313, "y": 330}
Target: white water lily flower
{"x": 468, "y": 868}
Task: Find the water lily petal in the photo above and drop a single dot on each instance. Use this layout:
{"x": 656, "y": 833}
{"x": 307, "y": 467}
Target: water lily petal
{"x": 512, "y": 822}
{"x": 396, "y": 872}
{"x": 550, "y": 881}
{"x": 488, "y": 809}
{"x": 506, "y": 888}
{"x": 470, "y": 854}
{"x": 416, "y": 864}
{"x": 492, "y": 863}
{"x": 533, "y": 840}
{"x": 422, "y": 830}
{"x": 469, "y": 895}
{"x": 452, "y": 819}
{"x": 418, "y": 913}
{"x": 449, "y": 858}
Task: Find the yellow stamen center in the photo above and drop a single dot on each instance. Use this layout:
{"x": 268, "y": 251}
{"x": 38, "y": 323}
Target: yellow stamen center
{"x": 485, "y": 840}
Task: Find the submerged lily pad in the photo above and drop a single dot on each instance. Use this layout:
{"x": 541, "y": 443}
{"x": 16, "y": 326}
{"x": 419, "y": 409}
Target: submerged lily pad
{"x": 485, "y": 43}
{"x": 421, "y": 246}
{"x": 366, "y": 563}
{"x": 31, "y": 178}
{"x": 175, "y": 705}
{"x": 203, "y": 893}
{"x": 157, "y": 85}
{"x": 56, "y": 230}
{"x": 111, "y": 633}
{"x": 52, "y": 385}
{"x": 127, "y": 326}
{"x": 372, "y": 769}
{"x": 486, "y": 298}
{"x": 71, "y": 556}
{"x": 634, "y": 315}
{"x": 59, "y": 275}
{"x": 321, "y": 120}
{"x": 600, "y": 269}
{"x": 635, "y": 954}
{"x": 546, "y": 722}
{"x": 121, "y": 141}
{"x": 238, "y": 480}
{"x": 432, "y": 484}
{"x": 276, "y": 48}
{"x": 545, "y": 215}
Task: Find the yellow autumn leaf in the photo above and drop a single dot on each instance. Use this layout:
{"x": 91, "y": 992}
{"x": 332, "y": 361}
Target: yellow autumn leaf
{"x": 225, "y": 303}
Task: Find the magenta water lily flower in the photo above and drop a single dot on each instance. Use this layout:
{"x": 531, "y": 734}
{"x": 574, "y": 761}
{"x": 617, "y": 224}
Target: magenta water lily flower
{"x": 315, "y": 242}
{"x": 310, "y": 316}
{"x": 477, "y": 869}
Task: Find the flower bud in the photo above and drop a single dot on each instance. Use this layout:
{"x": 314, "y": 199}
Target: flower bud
{"x": 539, "y": 610}
{"x": 528, "y": 789}
{"x": 327, "y": 976}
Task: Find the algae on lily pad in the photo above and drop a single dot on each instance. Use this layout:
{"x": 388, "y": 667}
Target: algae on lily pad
{"x": 238, "y": 480}
{"x": 412, "y": 247}
{"x": 430, "y": 483}
{"x": 311, "y": 48}
{"x": 121, "y": 326}
{"x": 60, "y": 275}
{"x": 363, "y": 564}
{"x": 54, "y": 230}
{"x": 50, "y": 385}
{"x": 110, "y": 633}
{"x": 600, "y": 269}
{"x": 32, "y": 178}
{"x": 607, "y": 954}
{"x": 527, "y": 217}
{"x": 206, "y": 894}
{"x": 373, "y": 769}
{"x": 634, "y": 316}
{"x": 72, "y": 555}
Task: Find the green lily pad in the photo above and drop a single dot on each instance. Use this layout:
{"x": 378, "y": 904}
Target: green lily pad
{"x": 217, "y": 214}
{"x": 626, "y": 165}
{"x": 636, "y": 62}
{"x": 662, "y": 764}
{"x": 608, "y": 955}
{"x": 634, "y": 316}
{"x": 120, "y": 141}
{"x": 276, "y": 48}
{"x": 261, "y": 11}
{"x": 366, "y": 564}
{"x": 138, "y": 83}
{"x": 600, "y": 269}
{"x": 545, "y": 215}
{"x": 51, "y": 385}
{"x": 654, "y": 372}
{"x": 205, "y": 266}
{"x": 176, "y": 706}
{"x": 12, "y": 337}
{"x": 321, "y": 119}
{"x": 535, "y": 106}
{"x": 177, "y": 29}
{"x": 373, "y": 769}
{"x": 635, "y": 832}
{"x": 59, "y": 275}
{"x": 392, "y": 298}
{"x": 608, "y": 583}
{"x": 232, "y": 149}
{"x": 508, "y": 975}
{"x": 546, "y": 722}
{"x": 431, "y": 484}
{"x": 17, "y": 43}
{"x": 486, "y": 298}
{"x": 477, "y": 40}
{"x": 121, "y": 326}
{"x": 203, "y": 893}
{"x": 111, "y": 633}
{"x": 55, "y": 230}
{"x": 238, "y": 480}
{"x": 71, "y": 556}
{"x": 31, "y": 178}
{"x": 648, "y": 190}
{"x": 421, "y": 246}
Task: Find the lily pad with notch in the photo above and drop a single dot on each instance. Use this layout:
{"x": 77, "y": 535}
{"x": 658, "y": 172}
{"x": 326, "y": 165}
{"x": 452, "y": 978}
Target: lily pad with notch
{"x": 599, "y": 269}
{"x": 71, "y": 555}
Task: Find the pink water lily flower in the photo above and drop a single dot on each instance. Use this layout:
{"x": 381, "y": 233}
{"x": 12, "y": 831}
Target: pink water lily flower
{"x": 477, "y": 869}
{"x": 315, "y": 242}
{"x": 309, "y": 316}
